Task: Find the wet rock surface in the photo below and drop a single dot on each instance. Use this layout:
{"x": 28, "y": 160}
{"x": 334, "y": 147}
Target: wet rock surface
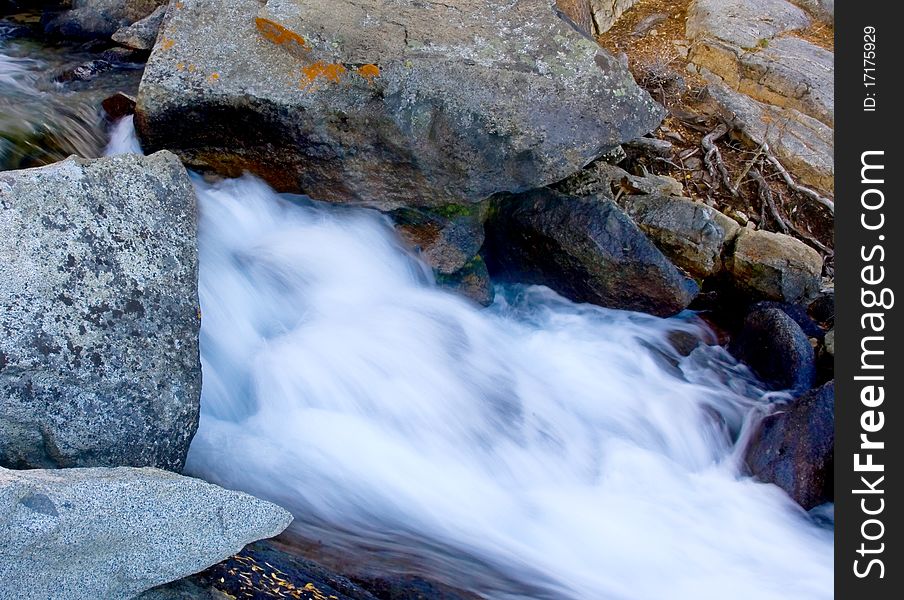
{"x": 794, "y": 448}
{"x": 586, "y": 249}
{"x": 777, "y": 349}
{"x": 99, "y": 314}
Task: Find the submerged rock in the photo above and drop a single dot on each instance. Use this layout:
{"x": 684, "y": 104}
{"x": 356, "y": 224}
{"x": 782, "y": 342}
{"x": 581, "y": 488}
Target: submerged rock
{"x": 114, "y": 533}
{"x": 777, "y": 349}
{"x": 586, "y": 249}
{"x": 99, "y": 314}
{"x": 794, "y": 448}
{"x": 386, "y": 104}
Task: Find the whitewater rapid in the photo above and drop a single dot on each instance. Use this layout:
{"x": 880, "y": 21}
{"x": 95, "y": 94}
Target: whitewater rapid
{"x": 535, "y": 449}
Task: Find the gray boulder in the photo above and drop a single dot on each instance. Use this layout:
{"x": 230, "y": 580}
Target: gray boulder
{"x": 114, "y": 533}
{"x": 100, "y": 18}
{"x": 794, "y": 448}
{"x": 386, "y": 104}
{"x": 586, "y": 249}
{"x": 805, "y": 145}
{"x": 729, "y": 25}
{"x": 693, "y": 235}
{"x": 774, "y": 266}
{"x": 141, "y": 35}
{"x": 99, "y": 314}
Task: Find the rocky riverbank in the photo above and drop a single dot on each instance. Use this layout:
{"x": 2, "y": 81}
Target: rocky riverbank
{"x": 502, "y": 141}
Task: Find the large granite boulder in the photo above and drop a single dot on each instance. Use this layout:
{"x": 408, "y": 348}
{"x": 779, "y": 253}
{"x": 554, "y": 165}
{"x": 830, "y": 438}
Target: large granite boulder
{"x": 794, "y": 447}
{"x": 386, "y": 104}
{"x": 99, "y": 314}
{"x": 85, "y": 534}
{"x": 586, "y": 249}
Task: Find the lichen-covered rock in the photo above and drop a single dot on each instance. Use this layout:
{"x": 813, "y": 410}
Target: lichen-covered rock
{"x": 794, "y": 448}
{"x": 691, "y": 234}
{"x": 85, "y": 534}
{"x": 100, "y": 18}
{"x": 141, "y": 35}
{"x": 386, "y": 104}
{"x": 777, "y": 349}
{"x": 586, "y": 249}
{"x": 774, "y": 266}
{"x": 99, "y": 315}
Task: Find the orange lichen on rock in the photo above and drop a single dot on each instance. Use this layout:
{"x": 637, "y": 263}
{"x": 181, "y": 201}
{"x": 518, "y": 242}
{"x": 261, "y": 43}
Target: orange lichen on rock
{"x": 278, "y": 34}
{"x": 167, "y": 43}
{"x": 332, "y": 72}
{"x": 214, "y": 77}
{"x": 369, "y": 72}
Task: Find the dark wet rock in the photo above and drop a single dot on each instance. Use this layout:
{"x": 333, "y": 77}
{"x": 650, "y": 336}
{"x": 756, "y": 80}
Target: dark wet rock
{"x": 822, "y": 309}
{"x": 99, "y": 314}
{"x": 794, "y": 448}
{"x": 378, "y": 106}
{"x": 142, "y": 34}
{"x": 693, "y": 235}
{"x": 84, "y": 72}
{"x": 410, "y": 587}
{"x": 445, "y": 237}
{"x": 586, "y": 249}
{"x": 797, "y": 312}
{"x": 99, "y": 18}
{"x": 86, "y": 534}
{"x": 262, "y": 571}
{"x": 119, "y": 105}
{"x": 471, "y": 281}
{"x": 124, "y": 56}
{"x": 774, "y": 266}
{"x": 777, "y": 350}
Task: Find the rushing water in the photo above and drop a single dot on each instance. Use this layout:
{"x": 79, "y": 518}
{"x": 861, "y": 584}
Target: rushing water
{"x": 43, "y": 120}
{"x": 535, "y": 449}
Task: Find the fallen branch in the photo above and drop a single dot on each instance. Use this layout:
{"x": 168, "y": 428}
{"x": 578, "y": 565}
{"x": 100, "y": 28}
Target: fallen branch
{"x": 765, "y": 194}
{"x": 713, "y": 158}
{"x": 797, "y": 187}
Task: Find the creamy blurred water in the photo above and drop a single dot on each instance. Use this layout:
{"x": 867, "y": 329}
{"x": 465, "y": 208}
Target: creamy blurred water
{"x": 536, "y": 449}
